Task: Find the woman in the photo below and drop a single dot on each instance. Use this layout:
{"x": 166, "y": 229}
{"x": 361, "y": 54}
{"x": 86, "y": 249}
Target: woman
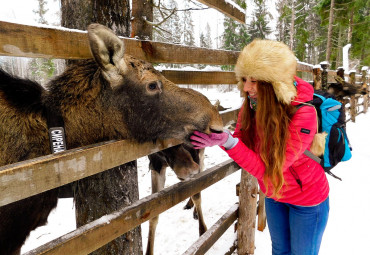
{"x": 270, "y": 138}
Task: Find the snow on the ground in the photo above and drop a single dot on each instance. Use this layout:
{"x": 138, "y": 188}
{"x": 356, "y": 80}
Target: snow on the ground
{"x": 348, "y": 227}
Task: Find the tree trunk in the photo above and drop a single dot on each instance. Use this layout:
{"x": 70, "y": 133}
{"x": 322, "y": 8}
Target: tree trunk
{"x": 330, "y": 31}
{"x": 113, "y": 189}
{"x": 142, "y": 10}
{"x": 339, "y": 59}
{"x": 105, "y": 193}
{"x": 350, "y": 27}
{"x": 291, "y": 41}
{"x": 114, "y": 14}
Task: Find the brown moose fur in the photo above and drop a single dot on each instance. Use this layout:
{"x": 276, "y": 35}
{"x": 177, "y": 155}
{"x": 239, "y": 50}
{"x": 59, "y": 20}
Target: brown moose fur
{"x": 343, "y": 89}
{"x": 114, "y": 97}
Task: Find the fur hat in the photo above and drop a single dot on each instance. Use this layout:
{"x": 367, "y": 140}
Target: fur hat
{"x": 269, "y": 61}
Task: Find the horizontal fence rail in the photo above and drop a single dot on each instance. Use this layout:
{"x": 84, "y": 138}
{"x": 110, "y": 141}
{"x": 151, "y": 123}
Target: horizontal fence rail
{"x": 56, "y": 42}
{"x": 205, "y": 242}
{"x": 30, "y": 177}
{"x": 19, "y": 40}
{"x": 105, "y": 229}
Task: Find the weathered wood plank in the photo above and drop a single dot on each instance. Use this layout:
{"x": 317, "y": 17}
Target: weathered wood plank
{"x": 247, "y": 213}
{"x": 317, "y": 78}
{"x": 202, "y": 245}
{"x": 200, "y": 77}
{"x": 302, "y": 67}
{"x": 99, "y": 232}
{"x": 261, "y": 211}
{"x": 45, "y": 42}
{"x": 226, "y": 8}
{"x": 42, "y": 42}
{"x": 30, "y": 177}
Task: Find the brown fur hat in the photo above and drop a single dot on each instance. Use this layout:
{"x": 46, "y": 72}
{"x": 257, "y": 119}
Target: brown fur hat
{"x": 269, "y": 61}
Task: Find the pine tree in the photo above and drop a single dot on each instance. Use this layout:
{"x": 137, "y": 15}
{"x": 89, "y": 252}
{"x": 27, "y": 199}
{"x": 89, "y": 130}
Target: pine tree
{"x": 315, "y": 32}
{"x": 175, "y": 23}
{"x": 41, "y": 11}
{"x": 188, "y": 28}
{"x": 208, "y": 36}
{"x": 41, "y": 69}
{"x": 299, "y": 27}
{"x": 283, "y": 22}
{"x": 302, "y": 33}
{"x": 350, "y": 17}
{"x": 235, "y": 35}
{"x": 360, "y": 35}
{"x": 205, "y": 41}
{"x": 258, "y": 28}
{"x": 202, "y": 40}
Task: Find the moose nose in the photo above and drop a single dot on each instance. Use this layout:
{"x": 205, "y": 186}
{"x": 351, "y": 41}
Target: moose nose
{"x": 216, "y": 124}
{"x": 216, "y": 131}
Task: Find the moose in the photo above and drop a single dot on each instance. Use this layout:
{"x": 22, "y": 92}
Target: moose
{"x": 185, "y": 161}
{"x": 343, "y": 89}
{"x": 112, "y": 96}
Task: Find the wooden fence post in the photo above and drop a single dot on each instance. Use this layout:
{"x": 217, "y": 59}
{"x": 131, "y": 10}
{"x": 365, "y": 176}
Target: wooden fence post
{"x": 365, "y": 85}
{"x": 247, "y": 213}
{"x": 352, "y": 80}
{"x": 340, "y": 72}
{"x": 261, "y": 211}
{"x": 324, "y": 75}
{"x": 317, "y": 76}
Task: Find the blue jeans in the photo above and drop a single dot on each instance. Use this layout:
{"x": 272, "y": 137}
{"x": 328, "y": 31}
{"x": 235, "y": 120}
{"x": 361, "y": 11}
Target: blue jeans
{"x": 296, "y": 230}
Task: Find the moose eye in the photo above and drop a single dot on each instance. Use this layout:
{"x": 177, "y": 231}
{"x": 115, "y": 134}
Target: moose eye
{"x": 153, "y": 86}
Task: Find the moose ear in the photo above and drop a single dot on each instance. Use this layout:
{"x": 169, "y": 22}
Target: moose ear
{"x": 108, "y": 51}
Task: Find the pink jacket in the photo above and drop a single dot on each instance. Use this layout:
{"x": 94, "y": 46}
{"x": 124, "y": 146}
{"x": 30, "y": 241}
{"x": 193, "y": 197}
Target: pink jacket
{"x": 314, "y": 187}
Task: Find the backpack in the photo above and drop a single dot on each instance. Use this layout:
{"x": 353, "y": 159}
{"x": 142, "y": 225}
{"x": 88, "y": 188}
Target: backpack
{"x": 331, "y": 119}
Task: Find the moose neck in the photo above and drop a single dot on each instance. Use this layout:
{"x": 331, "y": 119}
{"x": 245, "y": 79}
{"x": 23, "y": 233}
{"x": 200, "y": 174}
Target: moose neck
{"x": 80, "y": 100}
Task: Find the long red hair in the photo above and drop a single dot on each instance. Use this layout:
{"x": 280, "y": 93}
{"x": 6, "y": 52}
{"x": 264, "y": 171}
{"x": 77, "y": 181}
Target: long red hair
{"x": 265, "y": 131}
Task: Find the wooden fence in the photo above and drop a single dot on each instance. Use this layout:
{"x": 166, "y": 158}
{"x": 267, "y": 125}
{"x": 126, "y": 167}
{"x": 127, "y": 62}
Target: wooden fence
{"x": 30, "y": 177}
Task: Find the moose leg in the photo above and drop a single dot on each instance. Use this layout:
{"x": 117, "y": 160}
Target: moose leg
{"x": 18, "y": 219}
{"x": 190, "y": 205}
{"x": 197, "y": 200}
{"x": 158, "y": 180}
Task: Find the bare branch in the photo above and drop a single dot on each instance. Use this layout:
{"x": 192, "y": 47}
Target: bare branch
{"x": 160, "y": 30}
{"x": 161, "y": 22}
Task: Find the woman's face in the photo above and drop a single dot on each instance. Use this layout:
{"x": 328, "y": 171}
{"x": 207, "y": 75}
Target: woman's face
{"x": 250, "y": 87}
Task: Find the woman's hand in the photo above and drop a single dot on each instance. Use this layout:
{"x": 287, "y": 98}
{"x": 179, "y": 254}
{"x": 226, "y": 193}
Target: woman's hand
{"x": 202, "y": 140}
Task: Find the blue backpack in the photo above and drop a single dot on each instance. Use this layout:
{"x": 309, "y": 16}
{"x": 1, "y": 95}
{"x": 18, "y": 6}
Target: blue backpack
{"x": 331, "y": 117}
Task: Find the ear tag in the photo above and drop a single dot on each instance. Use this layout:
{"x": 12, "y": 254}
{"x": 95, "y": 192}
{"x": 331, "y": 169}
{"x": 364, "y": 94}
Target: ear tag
{"x": 57, "y": 139}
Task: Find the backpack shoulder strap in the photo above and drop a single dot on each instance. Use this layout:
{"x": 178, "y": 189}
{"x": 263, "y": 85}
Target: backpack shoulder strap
{"x": 301, "y": 104}
{"x": 307, "y": 152}
{"x": 312, "y": 156}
